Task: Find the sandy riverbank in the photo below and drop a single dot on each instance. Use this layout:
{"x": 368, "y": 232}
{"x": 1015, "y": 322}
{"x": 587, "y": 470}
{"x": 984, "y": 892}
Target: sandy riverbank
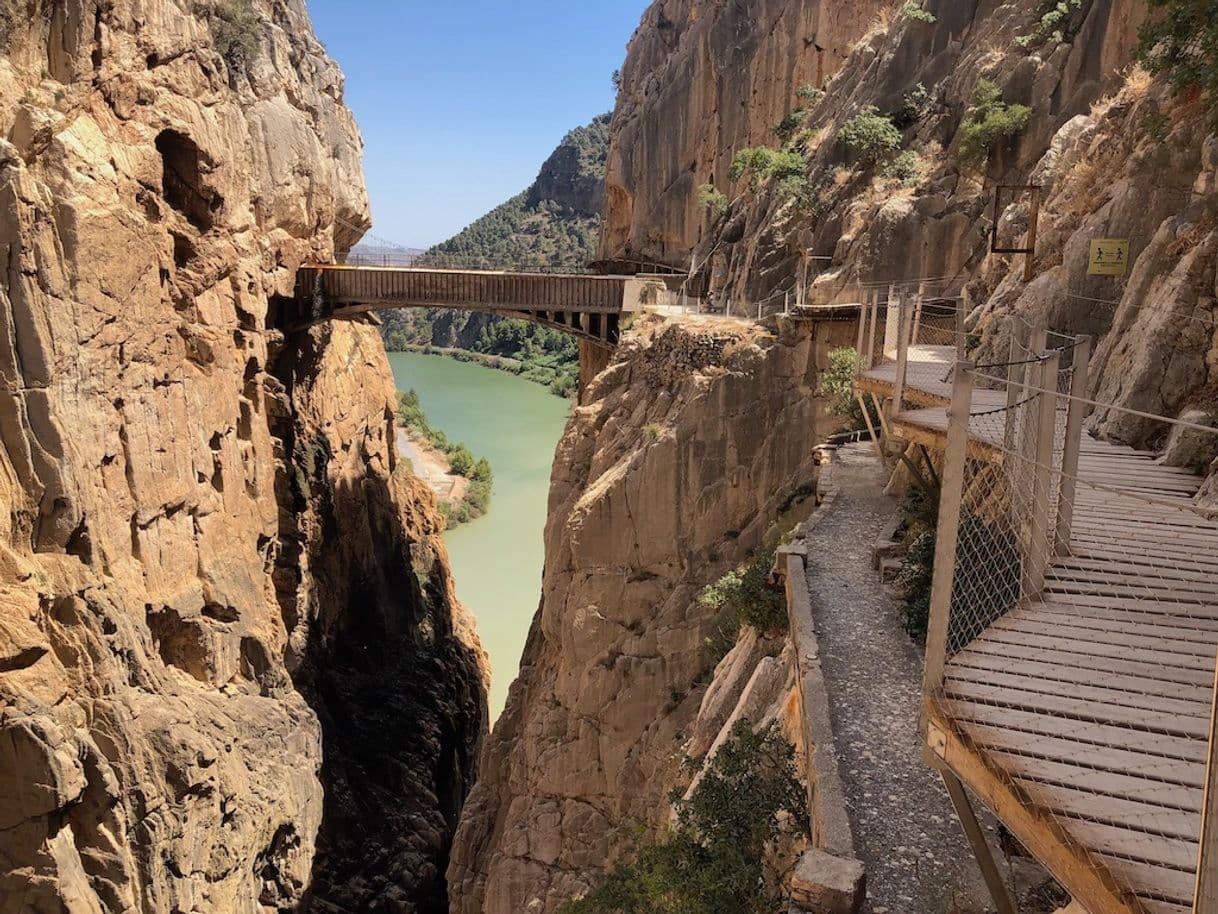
{"x": 433, "y": 468}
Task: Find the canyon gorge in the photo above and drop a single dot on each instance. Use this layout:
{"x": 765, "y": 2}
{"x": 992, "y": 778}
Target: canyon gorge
{"x": 234, "y": 673}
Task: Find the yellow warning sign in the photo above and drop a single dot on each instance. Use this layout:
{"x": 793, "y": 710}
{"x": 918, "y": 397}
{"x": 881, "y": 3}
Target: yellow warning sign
{"x": 1109, "y": 257}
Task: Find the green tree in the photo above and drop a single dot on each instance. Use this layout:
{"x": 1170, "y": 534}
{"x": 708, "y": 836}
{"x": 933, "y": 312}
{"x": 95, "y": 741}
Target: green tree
{"x": 236, "y": 30}
{"x": 989, "y": 121}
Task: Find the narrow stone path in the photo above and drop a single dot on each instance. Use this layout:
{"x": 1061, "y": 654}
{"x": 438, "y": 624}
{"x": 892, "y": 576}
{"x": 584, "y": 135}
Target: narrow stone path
{"x": 905, "y": 831}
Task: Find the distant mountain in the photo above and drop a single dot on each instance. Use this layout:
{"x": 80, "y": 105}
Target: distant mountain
{"x": 384, "y": 252}
{"x": 555, "y": 222}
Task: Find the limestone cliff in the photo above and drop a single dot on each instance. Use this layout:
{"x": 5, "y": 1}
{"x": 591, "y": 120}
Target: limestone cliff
{"x": 693, "y": 443}
{"x": 218, "y": 591}
{"x": 1116, "y": 154}
{"x": 703, "y": 79}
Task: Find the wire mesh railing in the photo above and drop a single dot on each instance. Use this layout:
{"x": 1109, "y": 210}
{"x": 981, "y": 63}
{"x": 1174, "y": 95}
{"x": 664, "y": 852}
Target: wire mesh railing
{"x": 1074, "y": 626}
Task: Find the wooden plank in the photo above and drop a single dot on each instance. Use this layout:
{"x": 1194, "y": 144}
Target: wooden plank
{"x": 1155, "y": 675}
{"x": 1153, "y": 555}
{"x": 1157, "y": 884}
{"x": 1128, "y": 786}
{"x": 1077, "y": 673}
{"x": 1144, "y": 821}
{"x": 1124, "y": 692}
{"x": 1152, "y": 664}
{"x": 1095, "y": 734}
{"x": 1094, "y": 584}
{"x": 1093, "y": 886}
{"x": 1203, "y": 632}
{"x": 1184, "y": 611}
{"x": 1079, "y": 714}
{"x": 1068, "y": 751}
{"x": 1062, "y": 626}
{"x": 1172, "y": 626}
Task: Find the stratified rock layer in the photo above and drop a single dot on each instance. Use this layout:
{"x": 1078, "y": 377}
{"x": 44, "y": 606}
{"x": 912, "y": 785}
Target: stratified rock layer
{"x": 174, "y": 479}
{"x": 695, "y": 440}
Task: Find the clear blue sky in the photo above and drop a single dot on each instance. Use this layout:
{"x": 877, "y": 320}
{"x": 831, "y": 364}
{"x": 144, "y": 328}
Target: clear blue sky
{"x": 460, "y": 102}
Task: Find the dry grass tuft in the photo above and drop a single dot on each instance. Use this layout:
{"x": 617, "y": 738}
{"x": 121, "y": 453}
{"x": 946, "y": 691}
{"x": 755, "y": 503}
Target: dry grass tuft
{"x": 1137, "y": 82}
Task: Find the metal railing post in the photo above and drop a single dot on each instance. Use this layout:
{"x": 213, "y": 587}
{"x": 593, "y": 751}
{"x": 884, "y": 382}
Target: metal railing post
{"x": 950, "y": 509}
{"x": 961, "y": 340}
{"x": 1205, "y": 899}
{"x": 875, "y": 319}
{"x": 860, "y": 340}
{"x": 904, "y": 330}
{"x": 1041, "y": 531}
{"x": 892, "y": 325}
{"x": 1076, "y": 412}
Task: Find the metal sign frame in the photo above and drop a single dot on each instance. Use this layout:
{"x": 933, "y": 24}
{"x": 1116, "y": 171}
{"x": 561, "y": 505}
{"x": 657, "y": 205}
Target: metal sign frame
{"x": 1029, "y": 251}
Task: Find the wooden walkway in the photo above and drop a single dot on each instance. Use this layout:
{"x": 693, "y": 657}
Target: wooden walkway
{"x": 1082, "y": 716}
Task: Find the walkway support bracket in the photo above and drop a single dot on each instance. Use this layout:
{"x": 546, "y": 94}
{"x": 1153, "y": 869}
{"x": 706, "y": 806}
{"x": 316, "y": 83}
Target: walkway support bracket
{"x": 990, "y": 872}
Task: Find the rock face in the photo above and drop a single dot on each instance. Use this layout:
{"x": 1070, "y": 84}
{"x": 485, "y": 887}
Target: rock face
{"x": 208, "y": 551}
{"x": 694, "y": 441}
{"x": 1115, "y": 153}
{"x": 703, "y": 79}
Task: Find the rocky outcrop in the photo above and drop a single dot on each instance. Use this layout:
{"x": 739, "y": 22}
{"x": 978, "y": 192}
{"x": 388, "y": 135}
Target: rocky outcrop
{"x": 1115, "y": 152}
{"x": 692, "y": 444}
{"x": 702, "y": 80}
{"x": 573, "y": 177}
{"x": 204, "y": 524}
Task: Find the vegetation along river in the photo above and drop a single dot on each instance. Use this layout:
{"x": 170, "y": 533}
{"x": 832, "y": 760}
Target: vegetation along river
{"x": 496, "y": 559}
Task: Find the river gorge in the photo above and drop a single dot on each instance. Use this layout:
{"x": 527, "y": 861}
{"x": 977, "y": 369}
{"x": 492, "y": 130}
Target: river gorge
{"x": 497, "y": 559}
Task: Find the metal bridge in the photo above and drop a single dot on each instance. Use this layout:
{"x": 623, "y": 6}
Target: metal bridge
{"x": 591, "y": 308}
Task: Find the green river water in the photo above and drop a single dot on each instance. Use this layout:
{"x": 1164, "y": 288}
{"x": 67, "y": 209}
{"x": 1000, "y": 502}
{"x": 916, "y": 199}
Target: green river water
{"x": 497, "y": 559}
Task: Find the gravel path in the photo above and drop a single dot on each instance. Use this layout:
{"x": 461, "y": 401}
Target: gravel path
{"x": 917, "y": 859}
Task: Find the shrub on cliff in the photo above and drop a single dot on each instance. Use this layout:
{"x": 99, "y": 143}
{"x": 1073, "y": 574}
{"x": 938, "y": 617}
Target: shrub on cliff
{"x": 837, "y": 384}
{"x": 710, "y": 197}
{"x": 236, "y": 29}
{"x": 870, "y": 136}
{"x": 1182, "y": 42}
{"x": 989, "y": 121}
{"x": 713, "y": 861}
{"x": 761, "y": 164}
{"x": 744, "y": 597}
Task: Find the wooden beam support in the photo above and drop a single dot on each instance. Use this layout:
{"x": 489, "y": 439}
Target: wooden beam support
{"x": 1206, "y": 899}
{"x": 999, "y": 891}
{"x": 1085, "y": 878}
{"x": 950, "y": 501}
{"x": 875, "y": 438}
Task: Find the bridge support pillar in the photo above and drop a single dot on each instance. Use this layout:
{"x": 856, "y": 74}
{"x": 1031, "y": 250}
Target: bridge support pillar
{"x": 593, "y": 360}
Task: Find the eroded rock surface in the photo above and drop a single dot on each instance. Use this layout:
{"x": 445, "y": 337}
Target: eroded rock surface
{"x": 202, "y": 524}
{"x": 694, "y": 441}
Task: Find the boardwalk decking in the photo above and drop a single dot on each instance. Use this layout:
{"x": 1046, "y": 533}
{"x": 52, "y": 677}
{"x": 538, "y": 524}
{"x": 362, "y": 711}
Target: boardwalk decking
{"x": 1082, "y": 715}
